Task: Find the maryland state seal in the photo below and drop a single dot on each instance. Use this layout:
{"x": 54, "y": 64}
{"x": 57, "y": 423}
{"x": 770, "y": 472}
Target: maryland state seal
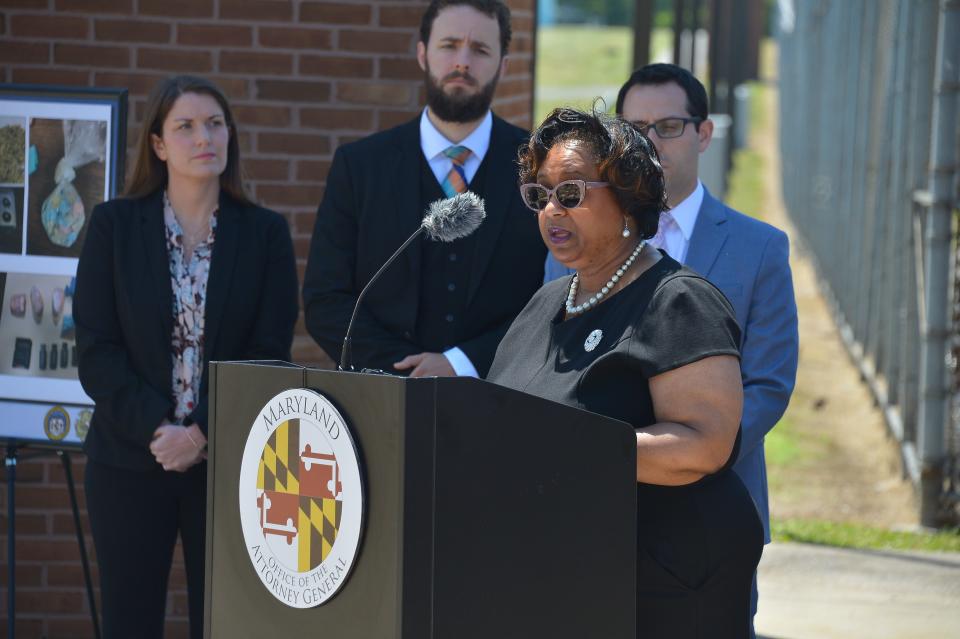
{"x": 301, "y": 498}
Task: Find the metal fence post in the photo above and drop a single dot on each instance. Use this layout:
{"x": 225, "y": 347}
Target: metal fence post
{"x": 868, "y": 139}
{"x": 933, "y": 379}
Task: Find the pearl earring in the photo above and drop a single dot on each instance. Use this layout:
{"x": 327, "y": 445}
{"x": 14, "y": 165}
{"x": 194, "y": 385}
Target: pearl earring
{"x": 626, "y": 229}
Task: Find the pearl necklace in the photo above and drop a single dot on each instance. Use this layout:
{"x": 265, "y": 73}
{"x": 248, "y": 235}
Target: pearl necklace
{"x": 593, "y": 301}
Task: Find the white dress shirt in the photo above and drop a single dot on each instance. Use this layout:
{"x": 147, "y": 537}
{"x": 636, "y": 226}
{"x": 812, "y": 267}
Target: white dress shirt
{"x": 677, "y": 236}
{"x": 433, "y": 144}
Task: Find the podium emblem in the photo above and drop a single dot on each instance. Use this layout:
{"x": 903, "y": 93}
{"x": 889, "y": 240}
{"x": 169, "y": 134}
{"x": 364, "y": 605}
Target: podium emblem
{"x": 301, "y": 498}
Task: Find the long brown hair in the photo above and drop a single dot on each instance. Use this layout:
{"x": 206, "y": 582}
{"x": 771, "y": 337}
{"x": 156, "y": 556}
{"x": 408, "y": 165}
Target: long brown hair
{"x": 149, "y": 171}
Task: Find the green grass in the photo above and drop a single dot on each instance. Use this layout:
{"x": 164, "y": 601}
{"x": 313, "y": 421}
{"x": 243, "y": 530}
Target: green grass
{"x": 746, "y": 190}
{"x": 578, "y": 64}
{"x": 788, "y": 450}
{"x": 781, "y": 446}
{"x": 746, "y": 187}
{"x": 846, "y": 535}
{"x": 759, "y": 113}
{"x": 660, "y": 42}
{"x": 574, "y": 56}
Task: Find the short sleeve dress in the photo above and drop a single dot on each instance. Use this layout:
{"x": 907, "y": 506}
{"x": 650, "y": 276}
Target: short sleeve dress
{"x": 698, "y": 545}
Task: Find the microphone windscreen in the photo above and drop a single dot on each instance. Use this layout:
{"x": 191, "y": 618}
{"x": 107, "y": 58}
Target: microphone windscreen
{"x": 453, "y": 218}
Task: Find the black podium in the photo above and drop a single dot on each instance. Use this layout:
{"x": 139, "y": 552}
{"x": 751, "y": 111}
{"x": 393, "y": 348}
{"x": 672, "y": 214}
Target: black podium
{"x": 489, "y": 513}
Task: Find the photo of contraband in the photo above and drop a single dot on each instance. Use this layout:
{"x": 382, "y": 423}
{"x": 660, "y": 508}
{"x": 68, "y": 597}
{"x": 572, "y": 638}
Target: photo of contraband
{"x": 13, "y": 158}
{"x": 66, "y": 180}
{"x": 36, "y": 326}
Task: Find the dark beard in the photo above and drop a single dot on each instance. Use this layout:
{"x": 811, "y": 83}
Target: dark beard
{"x": 457, "y": 107}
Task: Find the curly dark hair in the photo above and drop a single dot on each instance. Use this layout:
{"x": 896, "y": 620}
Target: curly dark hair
{"x": 625, "y": 158}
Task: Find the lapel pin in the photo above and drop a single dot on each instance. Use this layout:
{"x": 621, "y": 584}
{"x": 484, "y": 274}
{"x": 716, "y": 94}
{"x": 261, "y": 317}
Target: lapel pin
{"x": 592, "y": 340}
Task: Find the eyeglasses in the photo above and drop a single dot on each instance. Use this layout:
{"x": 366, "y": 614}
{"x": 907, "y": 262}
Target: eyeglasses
{"x": 667, "y": 127}
{"x": 569, "y": 194}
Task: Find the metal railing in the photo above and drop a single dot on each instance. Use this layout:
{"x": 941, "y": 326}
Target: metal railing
{"x": 868, "y": 128}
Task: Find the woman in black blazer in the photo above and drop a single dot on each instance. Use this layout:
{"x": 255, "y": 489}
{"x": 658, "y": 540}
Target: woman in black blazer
{"x": 183, "y": 270}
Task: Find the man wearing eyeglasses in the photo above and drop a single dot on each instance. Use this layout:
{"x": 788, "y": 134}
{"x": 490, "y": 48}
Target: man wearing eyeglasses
{"x": 743, "y": 257}
{"x": 442, "y": 308}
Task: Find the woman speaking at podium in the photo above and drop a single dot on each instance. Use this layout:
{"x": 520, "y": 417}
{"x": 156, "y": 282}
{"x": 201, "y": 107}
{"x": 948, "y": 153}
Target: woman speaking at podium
{"x": 636, "y": 336}
{"x": 183, "y": 270}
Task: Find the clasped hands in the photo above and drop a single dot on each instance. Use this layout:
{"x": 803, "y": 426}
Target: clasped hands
{"x": 177, "y": 447}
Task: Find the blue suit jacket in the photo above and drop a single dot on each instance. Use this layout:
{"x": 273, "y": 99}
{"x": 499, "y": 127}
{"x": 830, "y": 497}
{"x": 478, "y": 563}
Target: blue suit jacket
{"x": 748, "y": 261}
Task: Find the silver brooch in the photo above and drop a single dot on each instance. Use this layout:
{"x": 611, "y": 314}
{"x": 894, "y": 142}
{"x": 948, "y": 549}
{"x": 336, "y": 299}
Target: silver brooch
{"x": 592, "y": 340}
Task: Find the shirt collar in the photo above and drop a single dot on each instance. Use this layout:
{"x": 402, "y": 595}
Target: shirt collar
{"x": 175, "y": 231}
{"x": 685, "y": 213}
{"x": 433, "y": 143}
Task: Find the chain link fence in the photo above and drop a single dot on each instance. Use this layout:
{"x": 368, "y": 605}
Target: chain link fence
{"x": 868, "y": 128}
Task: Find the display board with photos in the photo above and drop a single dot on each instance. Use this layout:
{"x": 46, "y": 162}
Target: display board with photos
{"x": 61, "y": 154}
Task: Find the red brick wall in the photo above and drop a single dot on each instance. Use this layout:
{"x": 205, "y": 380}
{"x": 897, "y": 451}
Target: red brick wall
{"x": 303, "y": 76}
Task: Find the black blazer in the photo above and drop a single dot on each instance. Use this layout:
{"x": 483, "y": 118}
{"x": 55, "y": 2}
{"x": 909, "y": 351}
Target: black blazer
{"x": 123, "y": 311}
{"x": 370, "y": 206}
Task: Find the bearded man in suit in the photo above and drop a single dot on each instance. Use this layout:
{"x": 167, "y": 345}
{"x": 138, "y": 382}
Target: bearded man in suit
{"x": 441, "y": 309}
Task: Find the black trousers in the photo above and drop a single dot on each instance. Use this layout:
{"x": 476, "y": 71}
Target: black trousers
{"x": 698, "y": 548}
{"x": 135, "y": 518}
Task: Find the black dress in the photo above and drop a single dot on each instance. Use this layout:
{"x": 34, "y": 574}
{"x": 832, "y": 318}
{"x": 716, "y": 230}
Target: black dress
{"x": 698, "y": 545}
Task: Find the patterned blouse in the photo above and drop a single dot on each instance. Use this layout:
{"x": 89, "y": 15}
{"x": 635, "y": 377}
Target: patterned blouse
{"x": 189, "y": 280}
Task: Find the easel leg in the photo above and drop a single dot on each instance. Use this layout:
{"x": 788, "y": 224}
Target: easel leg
{"x": 11, "y": 461}
{"x": 68, "y": 470}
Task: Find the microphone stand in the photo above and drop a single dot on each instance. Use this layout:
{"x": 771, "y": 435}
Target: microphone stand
{"x": 345, "y": 353}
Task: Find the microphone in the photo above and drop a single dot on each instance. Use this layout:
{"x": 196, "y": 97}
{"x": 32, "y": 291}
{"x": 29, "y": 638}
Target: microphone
{"x": 445, "y": 221}
{"x": 453, "y": 218}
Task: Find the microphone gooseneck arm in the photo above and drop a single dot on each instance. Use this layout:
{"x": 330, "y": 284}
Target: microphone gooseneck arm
{"x": 345, "y": 354}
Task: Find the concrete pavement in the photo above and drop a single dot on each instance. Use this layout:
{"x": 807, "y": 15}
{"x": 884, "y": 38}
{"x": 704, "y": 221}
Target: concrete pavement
{"x": 819, "y": 592}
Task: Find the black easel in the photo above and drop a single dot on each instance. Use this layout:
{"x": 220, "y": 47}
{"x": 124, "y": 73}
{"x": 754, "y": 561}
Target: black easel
{"x": 12, "y": 455}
